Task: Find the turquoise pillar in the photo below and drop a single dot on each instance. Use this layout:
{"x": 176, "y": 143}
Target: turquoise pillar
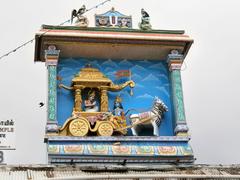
{"x": 51, "y": 57}
{"x": 175, "y": 61}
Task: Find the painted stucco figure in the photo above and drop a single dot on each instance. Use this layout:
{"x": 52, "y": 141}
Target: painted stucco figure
{"x": 81, "y": 21}
{"x": 118, "y": 108}
{"x": 149, "y": 118}
{"x": 145, "y": 21}
{"x": 90, "y": 104}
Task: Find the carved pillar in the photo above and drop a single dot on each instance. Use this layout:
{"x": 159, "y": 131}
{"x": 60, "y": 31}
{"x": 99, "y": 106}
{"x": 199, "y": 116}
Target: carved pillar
{"x": 104, "y": 100}
{"x": 78, "y": 100}
{"x": 175, "y": 61}
{"x": 51, "y": 57}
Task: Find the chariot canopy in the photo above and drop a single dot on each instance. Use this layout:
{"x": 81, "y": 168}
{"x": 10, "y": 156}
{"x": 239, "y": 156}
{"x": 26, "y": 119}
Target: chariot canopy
{"x": 89, "y": 77}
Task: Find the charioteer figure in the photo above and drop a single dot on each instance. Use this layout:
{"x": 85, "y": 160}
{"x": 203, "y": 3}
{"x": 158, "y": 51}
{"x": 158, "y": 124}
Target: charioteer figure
{"x": 118, "y": 108}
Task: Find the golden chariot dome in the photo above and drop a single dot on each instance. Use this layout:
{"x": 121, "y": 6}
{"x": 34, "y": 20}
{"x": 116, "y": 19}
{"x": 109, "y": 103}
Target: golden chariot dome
{"x": 91, "y": 75}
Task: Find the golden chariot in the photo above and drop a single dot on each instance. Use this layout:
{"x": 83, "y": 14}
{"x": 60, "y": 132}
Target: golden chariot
{"x": 103, "y": 122}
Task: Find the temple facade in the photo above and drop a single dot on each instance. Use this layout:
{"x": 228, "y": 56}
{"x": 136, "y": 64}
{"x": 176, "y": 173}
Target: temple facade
{"x": 114, "y": 92}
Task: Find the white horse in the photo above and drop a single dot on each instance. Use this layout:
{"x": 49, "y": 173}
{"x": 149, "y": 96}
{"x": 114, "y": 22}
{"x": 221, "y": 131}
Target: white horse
{"x": 149, "y": 118}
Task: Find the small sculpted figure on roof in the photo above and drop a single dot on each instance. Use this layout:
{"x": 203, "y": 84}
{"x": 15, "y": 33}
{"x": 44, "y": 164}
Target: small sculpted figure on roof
{"x": 145, "y": 21}
{"x": 81, "y": 20}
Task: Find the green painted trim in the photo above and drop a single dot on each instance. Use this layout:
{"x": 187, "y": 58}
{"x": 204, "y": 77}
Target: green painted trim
{"x": 52, "y": 92}
{"x": 177, "y": 96}
{"x": 111, "y": 29}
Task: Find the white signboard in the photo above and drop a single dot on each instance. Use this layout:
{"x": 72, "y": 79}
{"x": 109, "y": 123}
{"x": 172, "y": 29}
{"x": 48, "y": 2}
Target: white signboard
{"x": 7, "y": 134}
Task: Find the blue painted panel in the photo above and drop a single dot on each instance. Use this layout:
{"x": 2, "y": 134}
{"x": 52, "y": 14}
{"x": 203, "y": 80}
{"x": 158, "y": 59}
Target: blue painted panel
{"x": 151, "y": 78}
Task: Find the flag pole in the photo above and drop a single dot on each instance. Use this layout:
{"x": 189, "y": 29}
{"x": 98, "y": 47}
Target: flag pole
{"x": 131, "y": 90}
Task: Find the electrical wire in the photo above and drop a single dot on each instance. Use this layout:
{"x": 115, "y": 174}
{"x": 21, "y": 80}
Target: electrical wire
{"x": 46, "y": 31}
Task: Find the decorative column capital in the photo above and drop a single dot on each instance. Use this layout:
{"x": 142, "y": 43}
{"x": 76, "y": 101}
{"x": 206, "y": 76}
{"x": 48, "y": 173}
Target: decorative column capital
{"x": 174, "y": 60}
{"x": 51, "y": 55}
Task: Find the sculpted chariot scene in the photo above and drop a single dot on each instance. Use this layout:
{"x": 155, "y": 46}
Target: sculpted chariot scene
{"x": 125, "y": 105}
{"x": 114, "y": 92}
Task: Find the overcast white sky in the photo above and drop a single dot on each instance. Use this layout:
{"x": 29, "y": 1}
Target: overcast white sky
{"x": 210, "y": 79}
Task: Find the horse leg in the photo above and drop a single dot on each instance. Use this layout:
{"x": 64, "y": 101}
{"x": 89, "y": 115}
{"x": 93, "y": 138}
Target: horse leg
{"x": 155, "y": 128}
{"x": 134, "y": 119}
{"x": 134, "y": 132}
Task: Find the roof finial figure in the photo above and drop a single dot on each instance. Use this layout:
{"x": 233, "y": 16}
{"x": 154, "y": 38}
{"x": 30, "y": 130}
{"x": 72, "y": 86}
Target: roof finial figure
{"x": 145, "y": 21}
{"x": 78, "y": 13}
{"x": 81, "y": 20}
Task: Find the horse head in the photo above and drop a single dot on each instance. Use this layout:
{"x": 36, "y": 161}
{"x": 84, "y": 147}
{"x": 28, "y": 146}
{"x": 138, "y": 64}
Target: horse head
{"x": 160, "y": 104}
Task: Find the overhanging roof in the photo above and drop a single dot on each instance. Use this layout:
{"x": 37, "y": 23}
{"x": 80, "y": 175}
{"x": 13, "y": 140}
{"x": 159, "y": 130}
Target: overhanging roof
{"x": 110, "y": 43}
{"x": 100, "y": 171}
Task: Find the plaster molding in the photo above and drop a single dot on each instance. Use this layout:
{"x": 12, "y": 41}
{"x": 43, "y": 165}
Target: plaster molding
{"x": 52, "y": 55}
{"x": 175, "y": 60}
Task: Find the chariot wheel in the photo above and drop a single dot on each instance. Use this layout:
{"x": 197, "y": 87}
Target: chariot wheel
{"x": 105, "y": 129}
{"x": 78, "y": 127}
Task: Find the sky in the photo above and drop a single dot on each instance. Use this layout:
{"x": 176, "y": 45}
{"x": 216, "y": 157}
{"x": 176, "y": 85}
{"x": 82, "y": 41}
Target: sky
{"x": 210, "y": 75}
